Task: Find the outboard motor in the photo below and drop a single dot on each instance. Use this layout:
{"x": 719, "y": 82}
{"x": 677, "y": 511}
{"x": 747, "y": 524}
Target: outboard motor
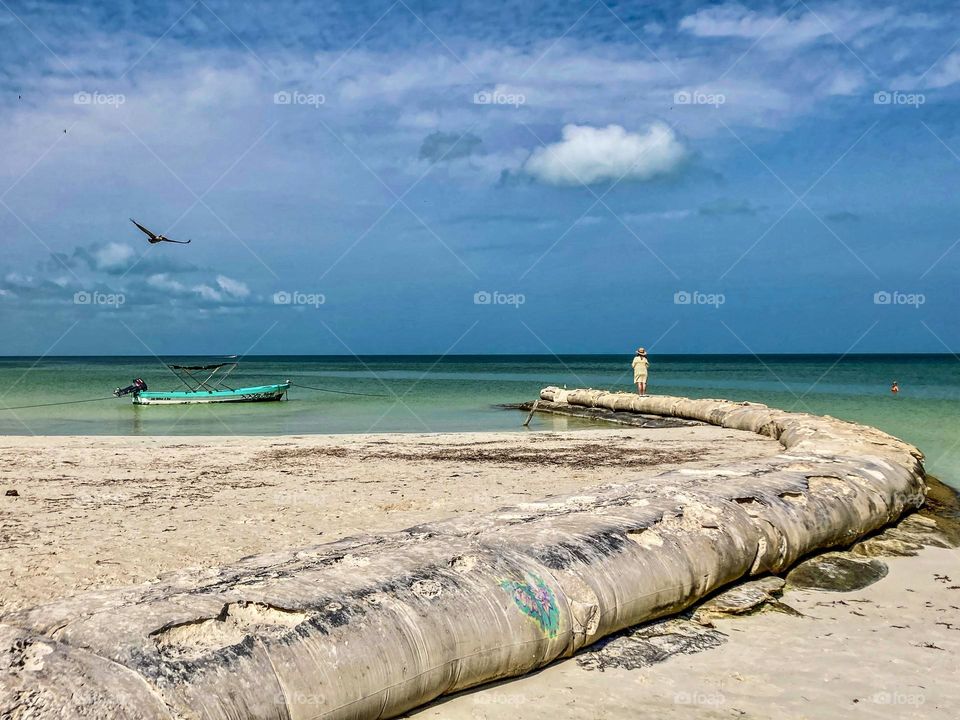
{"x": 138, "y": 387}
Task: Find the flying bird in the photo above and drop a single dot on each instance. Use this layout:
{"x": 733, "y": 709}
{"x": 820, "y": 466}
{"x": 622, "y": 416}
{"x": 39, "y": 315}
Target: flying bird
{"x": 153, "y": 238}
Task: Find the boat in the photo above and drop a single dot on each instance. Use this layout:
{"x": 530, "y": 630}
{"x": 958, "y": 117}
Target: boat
{"x": 205, "y": 384}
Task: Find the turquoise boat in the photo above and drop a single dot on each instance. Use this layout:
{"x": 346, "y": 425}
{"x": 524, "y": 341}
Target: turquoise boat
{"x": 211, "y": 388}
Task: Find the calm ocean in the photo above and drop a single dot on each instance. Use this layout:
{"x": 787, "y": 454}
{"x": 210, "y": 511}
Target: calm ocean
{"x": 461, "y": 393}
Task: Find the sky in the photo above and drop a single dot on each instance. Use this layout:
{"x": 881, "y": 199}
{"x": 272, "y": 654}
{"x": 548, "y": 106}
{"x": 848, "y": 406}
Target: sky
{"x": 479, "y": 177}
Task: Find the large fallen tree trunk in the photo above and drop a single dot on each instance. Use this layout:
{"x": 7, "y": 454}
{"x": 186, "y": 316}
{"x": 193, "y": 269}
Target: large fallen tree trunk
{"x": 371, "y": 627}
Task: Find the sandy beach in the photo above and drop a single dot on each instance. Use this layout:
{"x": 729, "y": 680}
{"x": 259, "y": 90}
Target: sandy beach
{"x": 94, "y": 513}
{"x": 98, "y": 513}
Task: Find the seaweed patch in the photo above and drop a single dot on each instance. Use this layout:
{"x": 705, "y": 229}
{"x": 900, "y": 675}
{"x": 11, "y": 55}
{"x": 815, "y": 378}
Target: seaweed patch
{"x": 536, "y": 601}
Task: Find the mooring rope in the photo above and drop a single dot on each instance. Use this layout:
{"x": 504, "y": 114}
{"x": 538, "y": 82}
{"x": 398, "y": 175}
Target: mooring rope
{"x": 65, "y": 402}
{"x": 338, "y": 392}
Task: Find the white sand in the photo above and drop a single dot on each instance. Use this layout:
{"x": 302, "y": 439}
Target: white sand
{"x": 103, "y": 512}
{"x": 98, "y": 512}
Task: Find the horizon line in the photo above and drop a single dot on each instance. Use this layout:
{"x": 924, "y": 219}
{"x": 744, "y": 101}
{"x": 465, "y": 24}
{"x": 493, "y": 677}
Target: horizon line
{"x": 505, "y": 354}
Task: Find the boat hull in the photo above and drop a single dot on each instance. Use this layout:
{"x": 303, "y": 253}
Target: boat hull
{"x": 260, "y": 393}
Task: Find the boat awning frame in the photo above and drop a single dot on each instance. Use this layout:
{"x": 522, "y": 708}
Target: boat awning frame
{"x": 195, "y": 382}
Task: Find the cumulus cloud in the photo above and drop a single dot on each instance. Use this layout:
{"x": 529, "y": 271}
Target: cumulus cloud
{"x": 590, "y": 155}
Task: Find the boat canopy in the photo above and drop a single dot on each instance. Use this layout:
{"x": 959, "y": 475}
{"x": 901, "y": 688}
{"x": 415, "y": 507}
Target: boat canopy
{"x": 199, "y": 367}
{"x": 215, "y": 378}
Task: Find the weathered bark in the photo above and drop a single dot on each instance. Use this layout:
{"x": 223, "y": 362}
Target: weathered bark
{"x": 370, "y": 627}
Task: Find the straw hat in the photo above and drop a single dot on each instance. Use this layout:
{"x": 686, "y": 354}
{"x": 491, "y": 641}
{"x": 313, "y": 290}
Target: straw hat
{"x": 641, "y": 351}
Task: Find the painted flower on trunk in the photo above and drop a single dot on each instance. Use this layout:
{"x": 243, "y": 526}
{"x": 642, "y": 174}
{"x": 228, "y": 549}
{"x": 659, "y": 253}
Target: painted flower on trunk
{"x": 536, "y": 601}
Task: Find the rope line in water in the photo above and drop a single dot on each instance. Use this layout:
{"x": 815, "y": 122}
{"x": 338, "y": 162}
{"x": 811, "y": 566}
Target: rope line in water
{"x": 338, "y": 392}
{"x": 65, "y": 402}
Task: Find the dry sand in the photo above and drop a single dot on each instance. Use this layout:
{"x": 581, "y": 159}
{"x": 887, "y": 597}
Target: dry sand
{"x": 95, "y": 512}
{"x": 103, "y": 512}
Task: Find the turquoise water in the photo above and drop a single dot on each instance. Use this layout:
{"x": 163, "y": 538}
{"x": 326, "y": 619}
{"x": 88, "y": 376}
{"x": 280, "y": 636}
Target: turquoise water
{"x": 460, "y": 393}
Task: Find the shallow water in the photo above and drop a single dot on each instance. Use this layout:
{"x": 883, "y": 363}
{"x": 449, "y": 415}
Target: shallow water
{"x": 460, "y": 393}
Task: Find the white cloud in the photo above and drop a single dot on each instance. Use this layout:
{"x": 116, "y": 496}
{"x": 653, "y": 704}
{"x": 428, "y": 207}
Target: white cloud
{"x": 946, "y": 72}
{"x": 227, "y": 288}
{"x": 590, "y": 220}
{"x": 233, "y": 288}
{"x": 113, "y": 256}
{"x": 15, "y": 278}
{"x": 735, "y": 20}
{"x": 208, "y": 293}
{"x": 162, "y": 281}
{"x": 590, "y": 155}
{"x": 662, "y": 215}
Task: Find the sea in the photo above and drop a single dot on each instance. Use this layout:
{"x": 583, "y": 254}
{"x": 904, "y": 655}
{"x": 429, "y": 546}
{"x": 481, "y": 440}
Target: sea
{"x": 466, "y": 393}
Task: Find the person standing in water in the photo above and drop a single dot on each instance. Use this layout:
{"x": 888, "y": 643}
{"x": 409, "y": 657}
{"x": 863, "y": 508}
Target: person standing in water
{"x": 895, "y": 388}
{"x": 640, "y": 366}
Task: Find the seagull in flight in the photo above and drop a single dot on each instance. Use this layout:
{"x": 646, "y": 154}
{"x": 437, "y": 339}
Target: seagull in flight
{"x": 153, "y": 238}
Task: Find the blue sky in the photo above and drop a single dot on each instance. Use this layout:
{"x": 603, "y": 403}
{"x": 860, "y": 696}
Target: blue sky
{"x": 432, "y": 177}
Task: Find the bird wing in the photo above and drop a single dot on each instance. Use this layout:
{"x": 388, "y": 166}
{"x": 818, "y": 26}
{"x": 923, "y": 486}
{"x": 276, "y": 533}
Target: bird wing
{"x": 178, "y": 242}
{"x": 148, "y": 233}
